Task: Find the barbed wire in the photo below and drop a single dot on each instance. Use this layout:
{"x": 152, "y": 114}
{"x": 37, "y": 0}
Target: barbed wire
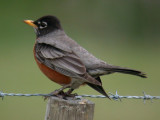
{"x": 112, "y": 96}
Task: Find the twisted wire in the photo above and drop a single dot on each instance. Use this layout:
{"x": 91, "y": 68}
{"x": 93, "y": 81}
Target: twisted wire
{"x": 115, "y": 96}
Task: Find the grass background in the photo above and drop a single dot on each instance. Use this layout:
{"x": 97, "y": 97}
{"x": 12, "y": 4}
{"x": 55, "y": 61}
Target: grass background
{"x": 124, "y": 33}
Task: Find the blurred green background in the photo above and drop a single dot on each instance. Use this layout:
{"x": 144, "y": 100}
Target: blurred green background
{"x": 124, "y": 33}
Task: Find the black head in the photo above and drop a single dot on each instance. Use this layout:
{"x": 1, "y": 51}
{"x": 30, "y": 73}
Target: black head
{"x": 45, "y": 25}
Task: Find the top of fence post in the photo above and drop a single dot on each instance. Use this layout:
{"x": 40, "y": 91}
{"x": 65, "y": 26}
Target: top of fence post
{"x": 70, "y": 109}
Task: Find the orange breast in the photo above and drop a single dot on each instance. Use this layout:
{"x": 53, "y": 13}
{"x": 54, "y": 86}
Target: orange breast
{"x": 53, "y": 75}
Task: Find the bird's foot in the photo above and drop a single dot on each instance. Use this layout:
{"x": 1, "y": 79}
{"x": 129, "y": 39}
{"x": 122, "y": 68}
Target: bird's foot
{"x": 59, "y": 93}
{"x": 62, "y": 95}
{"x": 56, "y": 93}
{"x": 70, "y": 95}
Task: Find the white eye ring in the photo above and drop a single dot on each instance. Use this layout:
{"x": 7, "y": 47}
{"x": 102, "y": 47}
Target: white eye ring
{"x": 39, "y": 22}
{"x": 43, "y": 25}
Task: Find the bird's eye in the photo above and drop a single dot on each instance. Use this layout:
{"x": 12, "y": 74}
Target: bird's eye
{"x": 43, "y": 25}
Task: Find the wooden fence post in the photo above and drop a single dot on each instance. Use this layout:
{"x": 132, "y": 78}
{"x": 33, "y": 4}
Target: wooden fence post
{"x": 60, "y": 109}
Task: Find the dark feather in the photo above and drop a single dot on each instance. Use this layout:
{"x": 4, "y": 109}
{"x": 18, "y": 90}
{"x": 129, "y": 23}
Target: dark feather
{"x": 119, "y": 69}
{"x": 98, "y": 88}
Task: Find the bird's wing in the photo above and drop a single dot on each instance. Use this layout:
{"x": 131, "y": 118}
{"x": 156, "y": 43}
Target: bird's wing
{"x": 67, "y": 63}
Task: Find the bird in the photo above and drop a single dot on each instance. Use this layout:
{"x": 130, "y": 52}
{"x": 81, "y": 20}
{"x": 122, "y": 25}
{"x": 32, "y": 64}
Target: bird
{"x": 67, "y": 63}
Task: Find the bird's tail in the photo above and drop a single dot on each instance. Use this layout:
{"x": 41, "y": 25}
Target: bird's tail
{"x": 98, "y": 88}
{"x": 125, "y": 70}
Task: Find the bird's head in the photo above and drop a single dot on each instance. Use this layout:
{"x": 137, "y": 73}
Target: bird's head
{"x": 45, "y": 25}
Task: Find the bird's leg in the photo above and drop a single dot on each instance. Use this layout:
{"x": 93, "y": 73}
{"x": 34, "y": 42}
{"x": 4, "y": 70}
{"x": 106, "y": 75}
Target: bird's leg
{"x": 59, "y": 92}
{"x": 68, "y": 93}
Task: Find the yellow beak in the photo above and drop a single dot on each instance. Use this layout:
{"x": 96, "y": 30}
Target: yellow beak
{"x": 30, "y": 22}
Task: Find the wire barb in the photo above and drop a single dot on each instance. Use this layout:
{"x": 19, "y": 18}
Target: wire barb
{"x": 115, "y": 96}
{"x": 1, "y": 95}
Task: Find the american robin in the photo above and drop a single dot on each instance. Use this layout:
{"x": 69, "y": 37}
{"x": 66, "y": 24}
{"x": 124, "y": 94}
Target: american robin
{"x": 65, "y": 62}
